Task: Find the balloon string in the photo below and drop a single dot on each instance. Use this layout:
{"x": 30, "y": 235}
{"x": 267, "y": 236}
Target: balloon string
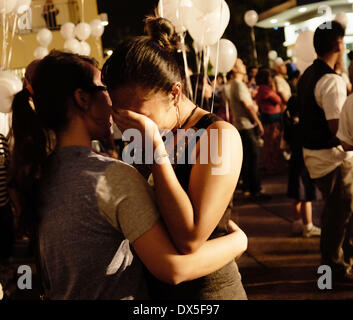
{"x": 199, "y": 57}
{"x": 217, "y": 60}
{"x": 83, "y": 10}
{"x": 161, "y": 9}
{"x": 99, "y": 48}
{"x": 3, "y": 40}
{"x": 12, "y": 38}
{"x": 206, "y": 60}
{"x": 225, "y": 81}
{"x": 187, "y": 73}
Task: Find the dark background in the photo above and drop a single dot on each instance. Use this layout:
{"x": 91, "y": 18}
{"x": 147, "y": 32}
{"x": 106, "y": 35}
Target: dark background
{"x": 126, "y": 20}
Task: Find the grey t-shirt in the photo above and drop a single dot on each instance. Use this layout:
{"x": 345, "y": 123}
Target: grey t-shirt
{"x": 91, "y": 208}
{"x": 239, "y": 92}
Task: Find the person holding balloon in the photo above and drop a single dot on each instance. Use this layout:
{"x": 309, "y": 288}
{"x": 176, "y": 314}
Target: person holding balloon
{"x": 146, "y": 85}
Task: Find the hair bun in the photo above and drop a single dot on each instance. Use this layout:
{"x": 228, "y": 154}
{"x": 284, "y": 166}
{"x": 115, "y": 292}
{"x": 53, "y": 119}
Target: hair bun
{"x": 162, "y": 31}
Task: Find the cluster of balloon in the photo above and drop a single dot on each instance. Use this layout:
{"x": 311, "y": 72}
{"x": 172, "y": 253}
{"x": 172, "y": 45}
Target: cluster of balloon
{"x": 206, "y": 22}
{"x": 304, "y": 50}
{"x": 76, "y": 36}
{"x": 10, "y": 84}
{"x": 44, "y": 37}
{"x": 10, "y": 11}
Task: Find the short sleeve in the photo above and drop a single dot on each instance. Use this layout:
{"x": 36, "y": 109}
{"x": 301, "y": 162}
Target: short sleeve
{"x": 244, "y": 93}
{"x": 126, "y": 200}
{"x": 330, "y": 94}
{"x": 345, "y": 129}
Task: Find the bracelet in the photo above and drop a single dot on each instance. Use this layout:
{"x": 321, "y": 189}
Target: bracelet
{"x": 160, "y": 157}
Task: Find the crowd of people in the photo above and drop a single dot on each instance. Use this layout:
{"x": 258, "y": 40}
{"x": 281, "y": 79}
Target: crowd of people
{"x": 103, "y": 229}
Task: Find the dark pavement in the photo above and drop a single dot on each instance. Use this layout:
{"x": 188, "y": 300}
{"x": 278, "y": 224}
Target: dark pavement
{"x": 278, "y": 266}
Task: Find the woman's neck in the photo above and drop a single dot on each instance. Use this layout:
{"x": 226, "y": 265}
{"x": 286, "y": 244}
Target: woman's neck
{"x": 190, "y": 113}
{"x": 74, "y": 135}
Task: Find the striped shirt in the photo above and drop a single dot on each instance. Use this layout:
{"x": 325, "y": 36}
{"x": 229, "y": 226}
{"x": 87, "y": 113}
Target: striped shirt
{"x": 4, "y": 161}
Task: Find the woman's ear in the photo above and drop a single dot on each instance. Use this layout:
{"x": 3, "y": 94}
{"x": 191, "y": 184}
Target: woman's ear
{"x": 81, "y": 99}
{"x": 177, "y": 91}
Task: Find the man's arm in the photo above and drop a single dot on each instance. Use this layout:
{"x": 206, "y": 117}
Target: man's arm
{"x": 333, "y": 125}
{"x": 253, "y": 115}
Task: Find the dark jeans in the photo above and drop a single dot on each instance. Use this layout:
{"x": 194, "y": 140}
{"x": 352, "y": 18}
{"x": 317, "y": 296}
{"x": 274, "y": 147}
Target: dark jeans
{"x": 336, "y": 242}
{"x": 6, "y": 232}
{"x": 251, "y": 161}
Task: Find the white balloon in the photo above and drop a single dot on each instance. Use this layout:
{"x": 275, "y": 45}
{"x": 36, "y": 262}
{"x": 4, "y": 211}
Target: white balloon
{"x": 10, "y": 85}
{"x": 176, "y": 11}
{"x": 272, "y": 55}
{"x": 304, "y": 47}
{"x": 97, "y": 28}
{"x": 44, "y": 37}
{"x": 73, "y": 46}
{"x": 68, "y": 30}
{"x": 1, "y": 292}
{"x": 342, "y": 18}
{"x": 251, "y": 18}
{"x": 83, "y": 31}
{"x": 85, "y": 48}
{"x": 7, "y": 6}
{"x": 40, "y": 52}
{"x": 279, "y": 61}
{"x": 207, "y": 6}
{"x": 227, "y": 56}
{"x": 207, "y": 29}
{"x": 22, "y": 6}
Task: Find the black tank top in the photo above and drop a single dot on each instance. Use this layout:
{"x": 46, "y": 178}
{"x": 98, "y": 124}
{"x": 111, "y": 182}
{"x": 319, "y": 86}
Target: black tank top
{"x": 224, "y": 284}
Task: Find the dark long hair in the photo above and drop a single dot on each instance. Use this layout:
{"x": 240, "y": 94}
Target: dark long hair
{"x": 38, "y": 118}
{"x": 151, "y": 61}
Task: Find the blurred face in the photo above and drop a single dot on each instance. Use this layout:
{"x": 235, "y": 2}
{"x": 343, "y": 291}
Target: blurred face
{"x": 240, "y": 67}
{"x": 99, "y": 112}
{"x": 157, "y": 106}
{"x": 253, "y": 73}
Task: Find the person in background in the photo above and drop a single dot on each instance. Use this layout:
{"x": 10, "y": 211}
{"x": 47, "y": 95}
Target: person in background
{"x": 270, "y": 104}
{"x": 220, "y": 102}
{"x": 250, "y": 128}
{"x": 252, "y": 72}
{"x": 7, "y": 234}
{"x": 321, "y": 95}
{"x": 300, "y": 186}
{"x": 350, "y": 68}
{"x": 281, "y": 84}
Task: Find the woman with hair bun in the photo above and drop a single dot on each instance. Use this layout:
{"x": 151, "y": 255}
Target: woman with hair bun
{"x": 146, "y": 83}
{"x": 86, "y": 209}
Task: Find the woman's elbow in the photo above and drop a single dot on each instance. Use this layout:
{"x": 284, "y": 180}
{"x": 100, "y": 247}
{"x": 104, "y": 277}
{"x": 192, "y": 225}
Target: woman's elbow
{"x": 243, "y": 244}
{"x": 188, "y": 247}
{"x": 172, "y": 275}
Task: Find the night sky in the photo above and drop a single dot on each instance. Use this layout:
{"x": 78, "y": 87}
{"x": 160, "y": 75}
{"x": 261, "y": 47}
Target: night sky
{"x": 126, "y": 20}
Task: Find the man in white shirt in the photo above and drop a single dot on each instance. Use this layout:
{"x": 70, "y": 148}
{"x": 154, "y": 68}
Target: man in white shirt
{"x": 281, "y": 84}
{"x": 250, "y": 127}
{"x": 321, "y": 94}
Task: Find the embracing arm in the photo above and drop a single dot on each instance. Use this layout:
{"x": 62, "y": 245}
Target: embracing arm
{"x": 158, "y": 254}
{"x": 191, "y": 218}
